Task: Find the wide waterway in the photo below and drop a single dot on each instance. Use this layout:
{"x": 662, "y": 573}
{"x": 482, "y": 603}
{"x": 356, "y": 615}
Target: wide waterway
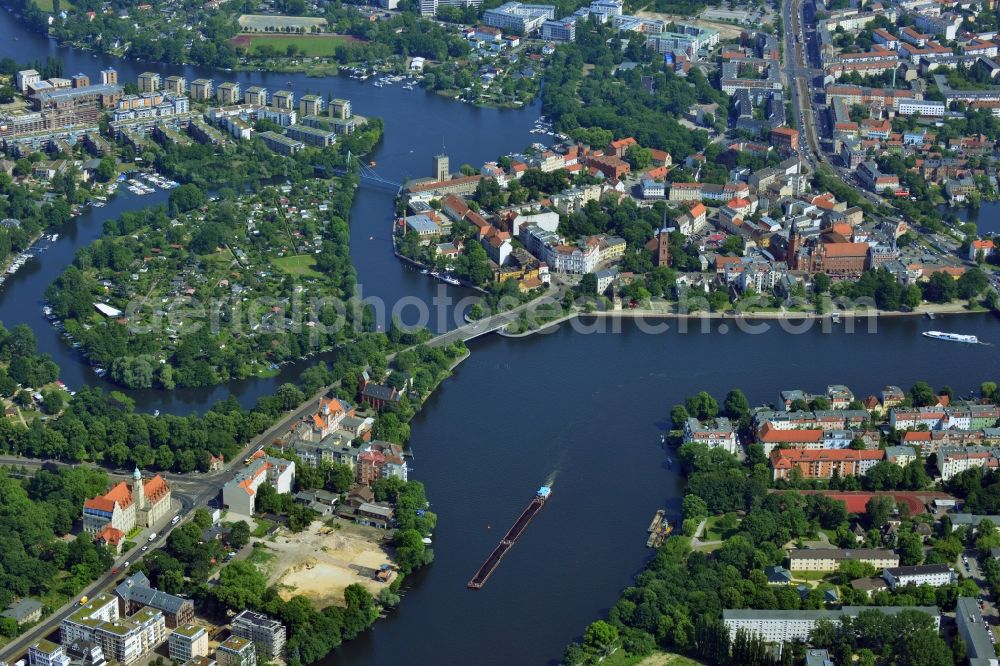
{"x": 418, "y": 125}
{"x": 584, "y": 411}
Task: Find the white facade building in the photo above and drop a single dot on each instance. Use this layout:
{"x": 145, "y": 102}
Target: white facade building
{"x": 717, "y": 435}
{"x": 934, "y": 575}
{"x": 240, "y": 493}
{"x": 519, "y": 17}
{"x": 783, "y": 626}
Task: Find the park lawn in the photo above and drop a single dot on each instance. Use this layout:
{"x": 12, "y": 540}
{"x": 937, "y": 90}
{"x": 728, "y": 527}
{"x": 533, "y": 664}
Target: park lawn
{"x": 298, "y": 264}
{"x": 260, "y": 530}
{"x": 49, "y": 5}
{"x": 713, "y": 533}
{"x": 307, "y": 45}
{"x": 811, "y": 575}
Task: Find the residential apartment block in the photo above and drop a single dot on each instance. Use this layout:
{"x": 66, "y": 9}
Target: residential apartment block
{"x": 829, "y": 559}
{"x": 934, "y": 575}
{"x": 122, "y": 639}
{"x": 975, "y": 632}
{"x": 188, "y": 642}
{"x": 236, "y": 651}
{"x": 785, "y": 626}
{"x": 716, "y": 434}
{"x": 135, "y": 593}
{"x": 266, "y": 634}
{"x": 240, "y": 493}
{"x": 954, "y": 460}
{"x": 517, "y": 17}
{"x": 47, "y": 653}
{"x": 823, "y": 463}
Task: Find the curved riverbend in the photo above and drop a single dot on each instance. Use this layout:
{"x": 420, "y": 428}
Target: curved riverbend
{"x": 584, "y": 411}
{"x": 417, "y": 126}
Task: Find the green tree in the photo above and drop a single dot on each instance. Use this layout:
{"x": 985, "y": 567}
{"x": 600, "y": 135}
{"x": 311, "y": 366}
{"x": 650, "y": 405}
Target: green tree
{"x": 240, "y": 586}
{"x": 678, "y": 416}
{"x": 53, "y": 401}
{"x": 185, "y": 198}
{"x": 736, "y": 406}
{"x": 940, "y": 288}
{"x": 878, "y": 510}
{"x": 922, "y": 395}
{"x": 107, "y": 169}
{"x": 600, "y": 637}
{"x": 702, "y": 406}
{"x": 239, "y": 535}
{"x": 693, "y": 506}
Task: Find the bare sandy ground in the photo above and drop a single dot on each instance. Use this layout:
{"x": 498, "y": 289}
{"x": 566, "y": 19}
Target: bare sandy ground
{"x": 726, "y": 30}
{"x": 320, "y": 562}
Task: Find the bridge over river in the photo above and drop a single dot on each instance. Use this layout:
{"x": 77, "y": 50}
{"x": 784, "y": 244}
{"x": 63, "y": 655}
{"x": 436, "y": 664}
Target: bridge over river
{"x": 493, "y": 323}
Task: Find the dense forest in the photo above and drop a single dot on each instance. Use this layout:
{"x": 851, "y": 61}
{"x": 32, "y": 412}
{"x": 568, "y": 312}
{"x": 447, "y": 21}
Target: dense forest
{"x": 34, "y": 559}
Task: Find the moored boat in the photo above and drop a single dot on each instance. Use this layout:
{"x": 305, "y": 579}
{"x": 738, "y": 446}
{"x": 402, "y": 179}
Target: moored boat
{"x": 952, "y": 337}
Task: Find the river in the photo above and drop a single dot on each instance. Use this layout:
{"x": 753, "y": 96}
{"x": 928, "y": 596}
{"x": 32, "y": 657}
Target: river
{"x": 582, "y": 411}
{"x": 418, "y": 125}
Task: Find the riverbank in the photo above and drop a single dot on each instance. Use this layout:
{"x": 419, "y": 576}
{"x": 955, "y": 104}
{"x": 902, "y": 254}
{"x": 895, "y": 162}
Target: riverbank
{"x": 654, "y": 313}
{"x": 424, "y": 267}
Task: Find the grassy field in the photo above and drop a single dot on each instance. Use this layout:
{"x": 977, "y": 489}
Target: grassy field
{"x": 810, "y": 575}
{"x": 307, "y": 45}
{"x": 48, "y": 5}
{"x": 298, "y": 264}
{"x": 712, "y": 531}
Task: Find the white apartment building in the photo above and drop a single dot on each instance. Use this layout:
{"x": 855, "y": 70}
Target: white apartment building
{"x": 975, "y": 632}
{"x": 829, "y": 559}
{"x": 518, "y": 17}
{"x": 47, "y": 653}
{"x": 187, "y": 642}
{"x": 25, "y": 78}
{"x": 122, "y": 639}
{"x": 266, "y": 634}
{"x": 954, "y": 460}
{"x": 782, "y": 626}
{"x": 717, "y": 435}
{"x": 934, "y": 575}
{"x": 921, "y": 107}
{"x": 240, "y": 493}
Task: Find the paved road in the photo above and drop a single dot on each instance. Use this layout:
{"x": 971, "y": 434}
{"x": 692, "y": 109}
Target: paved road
{"x": 797, "y": 77}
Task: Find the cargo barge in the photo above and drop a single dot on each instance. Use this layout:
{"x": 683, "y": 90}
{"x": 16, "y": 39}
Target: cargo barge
{"x": 659, "y": 532}
{"x": 657, "y": 519}
{"x": 493, "y": 561}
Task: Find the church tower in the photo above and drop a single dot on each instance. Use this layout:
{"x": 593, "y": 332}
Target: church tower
{"x": 137, "y": 489}
{"x": 663, "y": 247}
{"x": 794, "y": 245}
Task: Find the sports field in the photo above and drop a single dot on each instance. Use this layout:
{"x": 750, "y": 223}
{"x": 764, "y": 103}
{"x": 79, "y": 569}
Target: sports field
{"x": 307, "y": 45}
{"x": 274, "y": 22}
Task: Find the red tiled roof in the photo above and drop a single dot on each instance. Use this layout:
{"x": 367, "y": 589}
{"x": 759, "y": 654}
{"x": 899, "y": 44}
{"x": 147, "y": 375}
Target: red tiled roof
{"x": 155, "y": 489}
{"x": 824, "y": 455}
{"x": 768, "y": 433}
{"x": 846, "y": 249}
{"x": 119, "y": 494}
{"x": 110, "y": 535}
